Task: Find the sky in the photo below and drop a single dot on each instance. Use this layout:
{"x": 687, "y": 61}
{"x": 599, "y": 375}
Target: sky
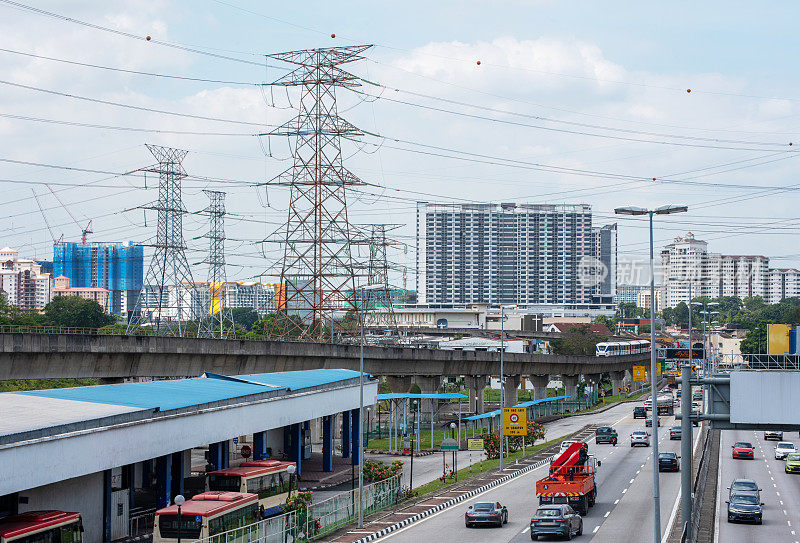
{"x": 607, "y": 104}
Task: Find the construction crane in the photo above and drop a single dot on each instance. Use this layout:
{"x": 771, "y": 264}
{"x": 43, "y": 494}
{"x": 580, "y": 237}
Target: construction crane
{"x": 85, "y": 230}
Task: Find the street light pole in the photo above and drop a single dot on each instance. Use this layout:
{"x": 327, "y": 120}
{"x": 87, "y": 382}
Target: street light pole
{"x": 663, "y": 210}
{"x": 502, "y": 381}
{"x": 179, "y": 501}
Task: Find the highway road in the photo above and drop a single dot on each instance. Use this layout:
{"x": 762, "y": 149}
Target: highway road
{"x": 624, "y": 500}
{"x": 780, "y": 491}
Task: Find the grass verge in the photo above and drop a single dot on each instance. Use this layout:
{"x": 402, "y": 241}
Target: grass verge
{"x": 476, "y": 469}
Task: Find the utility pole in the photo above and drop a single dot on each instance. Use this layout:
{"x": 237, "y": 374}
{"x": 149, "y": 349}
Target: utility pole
{"x": 317, "y": 273}
{"x": 218, "y": 321}
{"x": 162, "y": 301}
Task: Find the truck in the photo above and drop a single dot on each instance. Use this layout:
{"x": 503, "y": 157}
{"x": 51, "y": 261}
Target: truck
{"x": 570, "y": 479}
{"x": 665, "y": 404}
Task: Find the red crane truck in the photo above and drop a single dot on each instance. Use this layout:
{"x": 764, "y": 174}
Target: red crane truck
{"x": 571, "y": 479}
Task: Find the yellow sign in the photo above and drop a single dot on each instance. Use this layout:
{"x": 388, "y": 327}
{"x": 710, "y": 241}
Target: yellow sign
{"x": 217, "y": 290}
{"x": 515, "y": 421}
{"x": 474, "y": 444}
{"x": 639, "y": 374}
{"x": 658, "y": 369}
{"x": 778, "y": 336}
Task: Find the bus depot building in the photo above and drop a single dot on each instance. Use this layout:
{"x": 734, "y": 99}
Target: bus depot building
{"x": 111, "y": 451}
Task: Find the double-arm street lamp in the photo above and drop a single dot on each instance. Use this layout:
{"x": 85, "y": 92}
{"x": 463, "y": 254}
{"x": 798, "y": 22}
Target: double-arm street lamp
{"x": 663, "y": 210}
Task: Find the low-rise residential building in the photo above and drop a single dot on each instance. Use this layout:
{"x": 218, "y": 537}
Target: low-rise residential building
{"x": 100, "y": 295}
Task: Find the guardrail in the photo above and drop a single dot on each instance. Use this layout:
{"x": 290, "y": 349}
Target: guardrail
{"x": 141, "y": 522}
{"x": 743, "y": 362}
{"x": 318, "y": 520}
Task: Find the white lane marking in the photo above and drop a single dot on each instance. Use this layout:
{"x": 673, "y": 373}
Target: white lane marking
{"x": 423, "y": 520}
{"x": 607, "y": 513}
{"x": 778, "y": 493}
{"x": 595, "y": 529}
{"x": 616, "y": 502}
{"x": 784, "y": 512}
{"x": 525, "y": 530}
{"x": 674, "y": 513}
{"x": 624, "y": 490}
{"x": 631, "y": 482}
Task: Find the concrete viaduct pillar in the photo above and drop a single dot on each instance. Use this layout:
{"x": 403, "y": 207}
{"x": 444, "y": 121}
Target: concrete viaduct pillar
{"x": 428, "y": 384}
{"x": 476, "y": 384}
{"x": 399, "y": 383}
{"x": 510, "y": 388}
{"x": 570, "y": 385}
{"x": 616, "y": 381}
{"x": 539, "y": 386}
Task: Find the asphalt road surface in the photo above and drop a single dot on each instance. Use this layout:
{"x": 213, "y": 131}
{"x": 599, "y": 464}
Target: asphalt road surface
{"x": 624, "y": 500}
{"x": 780, "y": 491}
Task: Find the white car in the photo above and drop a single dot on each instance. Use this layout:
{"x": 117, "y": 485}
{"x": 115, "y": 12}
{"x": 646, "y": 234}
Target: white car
{"x": 783, "y": 448}
{"x": 640, "y": 437}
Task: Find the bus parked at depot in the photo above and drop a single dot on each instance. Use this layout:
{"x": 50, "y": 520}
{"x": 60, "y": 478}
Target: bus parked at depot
{"x": 614, "y": 348}
{"x": 42, "y": 526}
{"x": 205, "y": 515}
{"x": 269, "y": 479}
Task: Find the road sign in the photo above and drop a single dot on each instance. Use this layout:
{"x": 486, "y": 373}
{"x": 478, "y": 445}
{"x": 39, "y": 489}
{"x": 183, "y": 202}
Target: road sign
{"x": 515, "y": 421}
{"x": 449, "y": 444}
{"x": 235, "y": 440}
{"x": 474, "y": 444}
{"x": 683, "y": 353}
{"x": 639, "y": 374}
{"x": 659, "y": 369}
{"x": 246, "y": 451}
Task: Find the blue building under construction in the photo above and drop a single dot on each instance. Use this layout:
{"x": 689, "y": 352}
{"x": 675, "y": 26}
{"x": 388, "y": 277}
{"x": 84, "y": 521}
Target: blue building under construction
{"x": 117, "y": 267}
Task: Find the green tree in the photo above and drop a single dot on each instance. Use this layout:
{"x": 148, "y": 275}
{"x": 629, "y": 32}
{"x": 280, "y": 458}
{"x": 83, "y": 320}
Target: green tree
{"x": 578, "y": 340}
{"x": 245, "y": 317}
{"x": 606, "y": 321}
{"x": 77, "y": 312}
{"x": 756, "y": 340}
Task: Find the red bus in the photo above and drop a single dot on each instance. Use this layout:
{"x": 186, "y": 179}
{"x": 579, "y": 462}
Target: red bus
{"x": 42, "y": 527}
{"x": 269, "y": 479}
{"x": 205, "y": 515}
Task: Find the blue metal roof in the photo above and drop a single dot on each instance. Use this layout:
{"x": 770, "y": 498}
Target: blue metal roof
{"x": 442, "y": 396}
{"x": 497, "y": 412}
{"x": 175, "y": 394}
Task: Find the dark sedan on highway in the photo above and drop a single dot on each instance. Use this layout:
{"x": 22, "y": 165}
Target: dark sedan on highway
{"x": 745, "y": 508}
{"x": 675, "y": 432}
{"x": 486, "y": 513}
{"x": 668, "y": 461}
{"x": 560, "y": 520}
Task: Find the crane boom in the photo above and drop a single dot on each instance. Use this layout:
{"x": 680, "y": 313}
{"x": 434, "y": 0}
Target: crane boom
{"x": 84, "y": 229}
{"x": 36, "y": 197}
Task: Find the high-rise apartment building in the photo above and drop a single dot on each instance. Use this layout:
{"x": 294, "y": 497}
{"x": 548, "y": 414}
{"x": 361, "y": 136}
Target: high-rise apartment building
{"x": 783, "y": 283}
{"x": 116, "y": 267}
{"x": 511, "y": 253}
{"x": 605, "y": 250}
{"x": 626, "y": 294}
{"x": 22, "y": 281}
{"x": 686, "y": 261}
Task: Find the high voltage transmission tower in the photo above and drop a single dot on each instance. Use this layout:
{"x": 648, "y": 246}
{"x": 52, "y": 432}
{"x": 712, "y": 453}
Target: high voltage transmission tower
{"x": 218, "y": 321}
{"x": 378, "y": 274}
{"x": 317, "y": 273}
{"x": 169, "y": 298}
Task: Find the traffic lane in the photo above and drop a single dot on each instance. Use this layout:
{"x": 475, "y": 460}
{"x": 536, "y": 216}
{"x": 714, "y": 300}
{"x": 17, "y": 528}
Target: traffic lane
{"x": 519, "y": 497}
{"x": 786, "y": 485}
{"x": 633, "y": 514}
{"x": 774, "y": 527}
{"x": 619, "y": 466}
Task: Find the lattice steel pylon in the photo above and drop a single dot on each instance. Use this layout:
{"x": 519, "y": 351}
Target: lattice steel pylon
{"x": 378, "y": 274}
{"x": 317, "y": 273}
{"x": 218, "y": 319}
{"x": 168, "y": 299}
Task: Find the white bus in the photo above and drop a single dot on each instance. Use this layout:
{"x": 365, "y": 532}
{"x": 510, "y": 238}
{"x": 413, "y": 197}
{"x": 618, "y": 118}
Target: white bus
{"x": 269, "y": 479}
{"x": 205, "y": 515}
